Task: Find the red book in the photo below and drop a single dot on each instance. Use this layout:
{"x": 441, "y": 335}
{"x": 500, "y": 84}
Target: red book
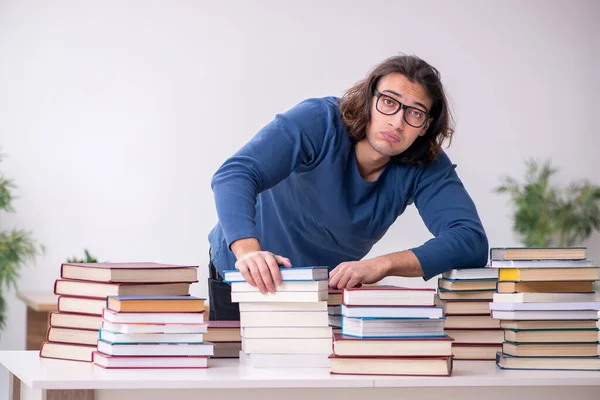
{"x": 416, "y": 366}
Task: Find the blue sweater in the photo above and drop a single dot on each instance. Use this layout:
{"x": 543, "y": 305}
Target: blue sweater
{"x": 295, "y": 186}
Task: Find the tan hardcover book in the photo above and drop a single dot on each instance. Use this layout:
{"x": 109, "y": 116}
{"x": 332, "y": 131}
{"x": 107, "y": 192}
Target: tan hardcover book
{"x": 73, "y": 336}
{"x": 538, "y": 253}
{"x": 475, "y": 351}
{"x": 550, "y": 324}
{"x": 81, "y": 305}
{"x": 66, "y": 351}
{"x": 76, "y": 321}
{"x": 223, "y": 331}
{"x": 453, "y": 307}
{"x": 104, "y": 289}
{"x": 133, "y": 272}
{"x": 546, "y": 287}
{"x": 479, "y": 336}
{"x": 335, "y": 297}
{"x": 470, "y": 321}
{"x": 551, "y": 349}
{"x": 552, "y": 336}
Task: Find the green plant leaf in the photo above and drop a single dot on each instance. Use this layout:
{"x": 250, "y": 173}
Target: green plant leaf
{"x": 88, "y": 258}
{"x": 544, "y": 215}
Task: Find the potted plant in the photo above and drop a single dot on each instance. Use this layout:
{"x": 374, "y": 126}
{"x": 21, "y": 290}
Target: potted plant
{"x": 545, "y": 215}
{"x": 17, "y": 247}
{"x": 88, "y": 258}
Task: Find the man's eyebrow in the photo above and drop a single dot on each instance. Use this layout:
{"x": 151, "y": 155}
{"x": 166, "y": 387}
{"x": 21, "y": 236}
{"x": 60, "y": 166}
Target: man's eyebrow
{"x": 399, "y": 95}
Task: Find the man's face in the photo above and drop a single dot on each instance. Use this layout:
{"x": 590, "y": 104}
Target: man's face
{"x": 390, "y": 135}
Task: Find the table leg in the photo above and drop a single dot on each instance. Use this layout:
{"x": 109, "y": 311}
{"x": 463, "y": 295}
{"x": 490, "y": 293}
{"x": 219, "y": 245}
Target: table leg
{"x": 69, "y": 395}
{"x": 14, "y": 387}
{"x": 37, "y": 328}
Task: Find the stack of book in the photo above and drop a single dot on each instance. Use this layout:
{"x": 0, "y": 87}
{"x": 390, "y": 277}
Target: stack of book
{"x": 388, "y": 330}
{"x": 334, "y": 309}
{"x": 288, "y": 328}
{"x": 546, "y": 305}
{"x": 465, "y": 295}
{"x": 225, "y": 335}
{"x": 153, "y": 332}
{"x": 83, "y": 289}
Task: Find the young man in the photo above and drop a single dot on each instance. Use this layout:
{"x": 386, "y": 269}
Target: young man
{"x": 323, "y": 182}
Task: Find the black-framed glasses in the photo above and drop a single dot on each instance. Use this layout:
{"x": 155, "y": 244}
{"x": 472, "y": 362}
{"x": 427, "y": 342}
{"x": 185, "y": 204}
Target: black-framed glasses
{"x": 413, "y": 116}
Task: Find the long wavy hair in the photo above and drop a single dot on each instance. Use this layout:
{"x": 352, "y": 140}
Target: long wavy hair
{"x": 355, "y": 107}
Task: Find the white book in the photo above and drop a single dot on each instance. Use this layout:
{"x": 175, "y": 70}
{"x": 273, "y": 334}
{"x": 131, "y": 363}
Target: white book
{"x": 287, "y": 274}
{"x": 114, "y": 337}
{"x": 153, "y": 318}
{"x": 162, "y": 349}
{"x": 288, "y": 346}
{"x": 471, "y": 273}
{"x": 286, "y": 286}
{"x": 525, "y": 315}
{"x": 276, "y": 332}
{"x": 392, "y": 312}
{"x": 360, "y": 327}
{"x": 284, "y": 319}
{"x": 107, "y": 361}
{"x": 283, "y": 306}
{"x": 154, "y": 328}
{"x": 590, "y": 305}
{"x": 334, "y": 310}
{"x": 258, "y": 360}
{"x": 335, "y": 321}
{"x": 301, "y": 297}
{"x": 542, "y": 263}
{"x": 527, "y": 297}
{"x": 387, "y": 295}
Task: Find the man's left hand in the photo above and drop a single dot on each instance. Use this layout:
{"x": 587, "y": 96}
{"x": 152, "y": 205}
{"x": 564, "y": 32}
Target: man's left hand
{"x": 356, "y": 273}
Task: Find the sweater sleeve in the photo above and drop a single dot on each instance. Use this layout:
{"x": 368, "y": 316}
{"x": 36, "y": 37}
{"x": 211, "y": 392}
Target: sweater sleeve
{"x": 450, "y": 215}
{"x": 291, "y": 141}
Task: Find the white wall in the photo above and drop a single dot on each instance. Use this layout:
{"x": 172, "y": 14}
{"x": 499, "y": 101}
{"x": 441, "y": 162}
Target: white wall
{"x": 116, "y": 114}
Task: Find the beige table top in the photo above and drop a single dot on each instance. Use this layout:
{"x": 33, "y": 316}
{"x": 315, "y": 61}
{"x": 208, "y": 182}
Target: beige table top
{"x": 39, "y": 301}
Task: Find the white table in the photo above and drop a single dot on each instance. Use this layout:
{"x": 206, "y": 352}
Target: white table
{"x": 46, "y": 379}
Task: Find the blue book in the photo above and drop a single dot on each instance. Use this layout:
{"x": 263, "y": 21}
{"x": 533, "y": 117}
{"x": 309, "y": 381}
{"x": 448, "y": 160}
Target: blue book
{"x": 309, "y": 273}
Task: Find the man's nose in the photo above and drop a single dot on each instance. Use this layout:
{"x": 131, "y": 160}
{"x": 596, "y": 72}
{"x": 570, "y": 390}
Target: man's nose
{"x": 397, "y": 120}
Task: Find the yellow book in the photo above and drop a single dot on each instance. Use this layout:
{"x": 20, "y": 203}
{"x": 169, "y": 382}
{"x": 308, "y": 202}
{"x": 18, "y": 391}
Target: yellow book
{"x": 549, "y": 274}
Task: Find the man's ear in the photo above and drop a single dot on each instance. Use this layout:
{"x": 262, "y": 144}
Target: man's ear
{"x": 425, "y": 127}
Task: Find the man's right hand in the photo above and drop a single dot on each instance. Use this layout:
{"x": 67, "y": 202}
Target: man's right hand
{"x": 259, "y": 268}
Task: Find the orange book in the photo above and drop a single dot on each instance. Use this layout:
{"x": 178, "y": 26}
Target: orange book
{"x": 155, "y": 304}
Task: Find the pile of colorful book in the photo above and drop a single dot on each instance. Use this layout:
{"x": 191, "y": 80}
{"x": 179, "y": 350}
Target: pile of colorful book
{"x": 548, "y": 310}
{"x": 465, "y": 295}
{"x": 287, "y": 328}
{"x": 83, "y": 289}
{"x": 334, "y": 309}
{"x": 225, "y": 335}
{"x": 153, "y": 332}
{"x": 388, "y": 330}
